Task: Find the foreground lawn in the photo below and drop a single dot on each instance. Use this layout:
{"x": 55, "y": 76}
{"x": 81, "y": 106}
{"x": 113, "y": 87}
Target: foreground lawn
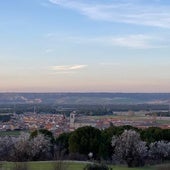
{"x": 68, "y": 166}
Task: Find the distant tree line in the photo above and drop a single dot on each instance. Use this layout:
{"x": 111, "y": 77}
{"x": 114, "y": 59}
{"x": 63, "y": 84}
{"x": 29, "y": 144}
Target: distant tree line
{"x": 5, "y": 118}
{"x": 86, "y": 109}
{"x": 122, "y": 145}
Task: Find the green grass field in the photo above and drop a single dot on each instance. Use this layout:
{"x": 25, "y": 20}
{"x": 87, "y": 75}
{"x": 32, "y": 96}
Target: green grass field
{"x": 10, "y": 133}
{"x": 69, "y": 166}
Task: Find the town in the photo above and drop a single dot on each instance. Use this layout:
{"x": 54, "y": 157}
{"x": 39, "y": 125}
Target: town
{"x": 60, "y": 123}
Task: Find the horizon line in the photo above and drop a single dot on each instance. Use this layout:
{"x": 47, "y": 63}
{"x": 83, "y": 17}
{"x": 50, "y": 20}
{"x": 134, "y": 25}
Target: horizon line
{"x": 83, "y": 92}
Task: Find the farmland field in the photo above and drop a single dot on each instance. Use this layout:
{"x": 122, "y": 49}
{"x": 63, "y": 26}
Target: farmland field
{"x": 14, "y": 133}
{"x": 10, "y": 133}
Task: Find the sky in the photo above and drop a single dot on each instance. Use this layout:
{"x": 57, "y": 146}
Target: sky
{"x": 85, "y": 46}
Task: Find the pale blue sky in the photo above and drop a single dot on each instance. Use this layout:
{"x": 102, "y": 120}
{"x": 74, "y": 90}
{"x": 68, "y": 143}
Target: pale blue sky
{"x": 85, "y": 45}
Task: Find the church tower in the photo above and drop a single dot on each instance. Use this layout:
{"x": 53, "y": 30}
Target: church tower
{"x": 72, "y": 119}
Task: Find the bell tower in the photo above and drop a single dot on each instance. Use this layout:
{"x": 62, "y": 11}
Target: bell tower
{"x": 72, "y": 119}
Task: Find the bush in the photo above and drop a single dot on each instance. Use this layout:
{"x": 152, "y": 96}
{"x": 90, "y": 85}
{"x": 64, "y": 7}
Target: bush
{"x": 96, "y": 167}
{"x": 77, "y": 157}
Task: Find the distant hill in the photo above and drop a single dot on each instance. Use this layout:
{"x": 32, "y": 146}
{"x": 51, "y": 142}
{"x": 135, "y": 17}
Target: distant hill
{"x": 85, "y": 98}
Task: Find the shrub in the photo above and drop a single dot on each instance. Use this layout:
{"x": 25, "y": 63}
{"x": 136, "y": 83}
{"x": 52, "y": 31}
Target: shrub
{"x": 96, "y": 167}
{"x": 77, "y": 157}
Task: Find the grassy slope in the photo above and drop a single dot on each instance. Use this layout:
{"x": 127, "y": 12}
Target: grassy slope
{"x": 69, "y": 166}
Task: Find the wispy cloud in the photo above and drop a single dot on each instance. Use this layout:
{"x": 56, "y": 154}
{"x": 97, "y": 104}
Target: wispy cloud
{"x": 134, "y": 41}
{"x": 133, "y": 12}
{"x": 67, "y": 68}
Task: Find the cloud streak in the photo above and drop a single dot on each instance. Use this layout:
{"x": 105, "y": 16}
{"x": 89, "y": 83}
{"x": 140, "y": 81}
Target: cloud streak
{"x": 67, "y": 68}
{"x": 133, "y": 41}
{"x": 131, "y": 12}
{"x": 136, "y": 41}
